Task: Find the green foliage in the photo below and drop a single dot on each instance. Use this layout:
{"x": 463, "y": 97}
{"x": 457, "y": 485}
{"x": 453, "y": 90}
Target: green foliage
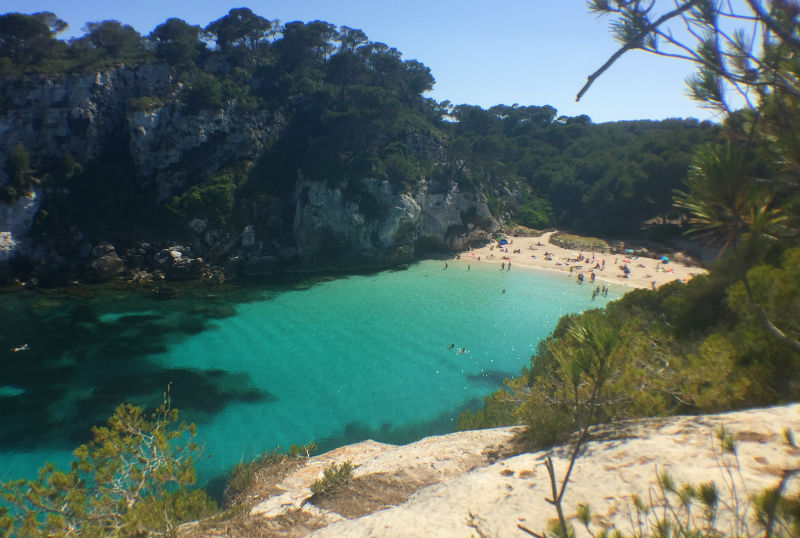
{"x": 205, "y": 93}
{"x": 27, "y": 39}
{"x": 177, "y": 42}
{"x": 133, "y": 478}
{"x": 239, "y": 28}
{"x": 724, "y": 199}
{"x": 20, "y": 175}
{"x": 696, "y": 347}
{"x": 146, "y": 103}
{"x": 577, "y": 242}
{"x": 536, "y": 214}
{"x": 333, "y": 478}
{"x": 116, "y": 39}
{"x": 554, "y": 529}
{"x": 212, "y": 199}
{"x": 571, "y": 173}
{"x": 775, "y": 290}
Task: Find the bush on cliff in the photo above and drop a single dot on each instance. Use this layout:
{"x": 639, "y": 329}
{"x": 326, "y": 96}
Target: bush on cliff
{"x": 133, "y": 479}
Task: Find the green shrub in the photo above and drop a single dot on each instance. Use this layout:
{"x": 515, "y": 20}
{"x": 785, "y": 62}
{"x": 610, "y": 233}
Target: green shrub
{"x": 205, "y": 93}
{"x": 20, "y": 174}
{"x": 577, "y": 242}
{"x": 133, "y": 478}
{"x": 147, "y": 103}
{"x": 333, "y": 478}
{"x": 213, "y": 199}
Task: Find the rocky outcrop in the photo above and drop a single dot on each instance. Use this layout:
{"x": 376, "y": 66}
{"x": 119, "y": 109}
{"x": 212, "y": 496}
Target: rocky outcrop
{"x": 478, "y": 483}
{"x": 374, "y": 225}
{"x": 16, "y": 220}
{"x": 136, "y": 115}
{"x": 173, "y": 148}
{"x": 105, "y": 262}
{"x": 55, "y": 115}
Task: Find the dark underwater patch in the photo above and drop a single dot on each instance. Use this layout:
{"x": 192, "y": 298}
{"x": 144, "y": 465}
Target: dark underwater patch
{"x": 494, "y": 378}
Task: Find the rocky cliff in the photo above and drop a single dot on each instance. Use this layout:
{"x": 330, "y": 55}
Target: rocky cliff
{"x": 381, "y": 225}
{"x": 486, "y": 483}
{"x": 153, "y": 195}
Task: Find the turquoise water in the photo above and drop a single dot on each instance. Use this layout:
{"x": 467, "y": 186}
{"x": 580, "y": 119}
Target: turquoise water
{"x": 333, "y": 361}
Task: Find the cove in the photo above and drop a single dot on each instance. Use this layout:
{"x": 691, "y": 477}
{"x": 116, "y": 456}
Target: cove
{"x": 262, "y": 365}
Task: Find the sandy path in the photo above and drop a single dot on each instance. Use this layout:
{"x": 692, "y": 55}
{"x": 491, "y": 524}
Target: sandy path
{"x": 644, "y": 272}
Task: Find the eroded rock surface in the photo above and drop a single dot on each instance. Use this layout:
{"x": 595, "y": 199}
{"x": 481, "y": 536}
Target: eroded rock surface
{"x": 477, "y": 483}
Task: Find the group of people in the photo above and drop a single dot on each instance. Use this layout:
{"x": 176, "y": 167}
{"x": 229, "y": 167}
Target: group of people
{"x": 600, "y": 291}
{"x": 460, "y": 350}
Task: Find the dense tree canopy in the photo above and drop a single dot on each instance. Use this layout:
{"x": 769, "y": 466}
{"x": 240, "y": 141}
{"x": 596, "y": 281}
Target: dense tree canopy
{"x": 26, "y": 39}
{"x": 354, "y": 106}
{"x": 177, "y": 42}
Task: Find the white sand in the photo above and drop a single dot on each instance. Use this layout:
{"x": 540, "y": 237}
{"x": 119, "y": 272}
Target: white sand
{"x": 644, "y": 272}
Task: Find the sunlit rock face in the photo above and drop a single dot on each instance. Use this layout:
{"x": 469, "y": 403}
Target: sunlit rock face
{"x": 381, "y": 226}
{"x": 16, "y": 220}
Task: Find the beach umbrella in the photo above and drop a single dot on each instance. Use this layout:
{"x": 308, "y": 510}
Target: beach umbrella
{"x": 503, "y": 242}
{"x": 664, "y": 259}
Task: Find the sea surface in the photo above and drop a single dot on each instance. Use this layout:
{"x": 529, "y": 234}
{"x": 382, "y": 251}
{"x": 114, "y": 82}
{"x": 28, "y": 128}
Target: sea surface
{"x": 392, "y": 356}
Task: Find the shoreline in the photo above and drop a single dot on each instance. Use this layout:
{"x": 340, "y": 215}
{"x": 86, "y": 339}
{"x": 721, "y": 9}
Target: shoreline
{"x": 644, "y": 273}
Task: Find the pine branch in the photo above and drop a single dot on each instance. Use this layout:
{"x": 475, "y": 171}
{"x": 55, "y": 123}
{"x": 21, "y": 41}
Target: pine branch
{"x": 634, "y": 44}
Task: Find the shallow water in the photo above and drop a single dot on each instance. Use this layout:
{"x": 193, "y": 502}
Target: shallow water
{"x": 330, "y": 360}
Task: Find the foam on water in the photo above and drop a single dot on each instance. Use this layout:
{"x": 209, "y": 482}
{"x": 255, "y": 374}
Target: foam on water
{"x": 348, "y": 359}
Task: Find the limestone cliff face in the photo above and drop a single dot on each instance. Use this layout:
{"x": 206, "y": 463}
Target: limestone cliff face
{"x": 173, "y": 148}
{"x": 377, "y": 225}
{"x": 138, "y": 114}
{"x": 72, "y": 114}
{"x": 15, "y": 223}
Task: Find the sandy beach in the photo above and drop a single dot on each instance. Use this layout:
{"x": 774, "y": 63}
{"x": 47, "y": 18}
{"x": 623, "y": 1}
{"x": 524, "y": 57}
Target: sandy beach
{"x": 538, "y": 253}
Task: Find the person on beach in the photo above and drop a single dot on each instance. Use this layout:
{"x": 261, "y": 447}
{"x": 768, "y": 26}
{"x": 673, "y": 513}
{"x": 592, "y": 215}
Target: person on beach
{"x": 468, "y": 267}
{"x": 502, "y": 266}
{"x": 509, "y": 266}
{"x": 445, "y": 265}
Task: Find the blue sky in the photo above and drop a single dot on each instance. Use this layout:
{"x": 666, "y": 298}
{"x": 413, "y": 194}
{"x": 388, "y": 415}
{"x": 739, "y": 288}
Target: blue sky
{"x": 530, "y": 52}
